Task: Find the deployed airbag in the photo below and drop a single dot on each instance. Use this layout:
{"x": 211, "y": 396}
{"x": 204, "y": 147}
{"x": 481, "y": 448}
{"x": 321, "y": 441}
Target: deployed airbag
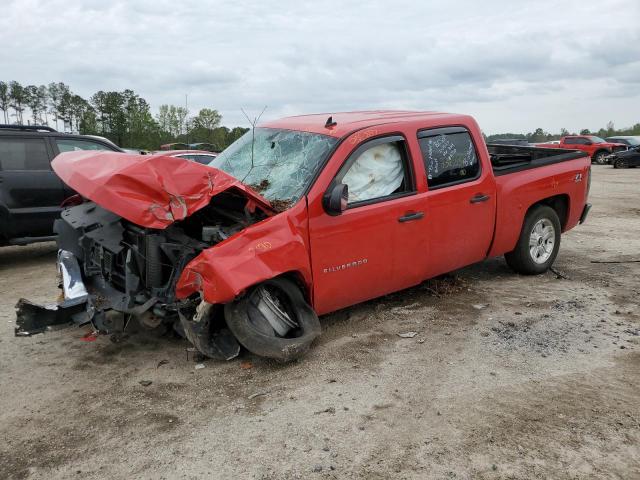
{"x": 377, "y": 172}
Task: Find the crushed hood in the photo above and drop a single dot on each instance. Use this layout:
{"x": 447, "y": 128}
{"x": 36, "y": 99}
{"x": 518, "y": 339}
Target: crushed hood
{"x": 151, "y": 191}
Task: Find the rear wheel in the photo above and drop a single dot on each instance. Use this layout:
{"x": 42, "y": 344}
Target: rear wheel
{"x": 599, "y": 157}
{"x": 538, "y": 244}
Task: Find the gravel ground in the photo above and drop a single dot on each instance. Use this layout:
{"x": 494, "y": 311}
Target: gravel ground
{"x": 508, "y": 377}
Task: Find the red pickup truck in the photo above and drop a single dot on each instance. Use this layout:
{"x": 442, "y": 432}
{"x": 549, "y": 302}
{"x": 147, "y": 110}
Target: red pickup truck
{"x": 597, "y": 148}
{"x": 300, "y": 217}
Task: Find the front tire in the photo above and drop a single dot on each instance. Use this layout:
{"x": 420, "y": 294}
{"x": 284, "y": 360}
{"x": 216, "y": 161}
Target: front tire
{"x": 599, "y": 157}
{"x": 273, "y": 320}
{"x": 620, "y": 163}
{"x": 538, "y": 244}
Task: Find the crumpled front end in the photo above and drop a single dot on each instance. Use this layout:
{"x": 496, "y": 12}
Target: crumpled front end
{"x": 113, "y": 272}
{"x": 133, "y": 254}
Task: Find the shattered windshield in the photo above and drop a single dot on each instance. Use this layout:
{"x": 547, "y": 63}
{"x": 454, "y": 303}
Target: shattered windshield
{"x": 284, "y": 161}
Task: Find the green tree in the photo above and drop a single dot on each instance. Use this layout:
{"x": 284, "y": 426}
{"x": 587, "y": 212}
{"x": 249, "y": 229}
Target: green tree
{"x": 203, "y": 127}
{"x": 170, "y": 121}
{"x": 60, "y": 101}
{"x": 4, "y": 100}
{"x": 611, "y": 129}
{"x": 52, "y": 91}
{"x": 17, "y": 97}
{"x": 33, "y": 102}
{"x": 98, "y": 101}
{"x": 539, "y": 135}
{"x": 207, "y": 119}
{"x": 181, "y": 118}
{"x": 78, "y": 106}
{"x": 235, "y": 134}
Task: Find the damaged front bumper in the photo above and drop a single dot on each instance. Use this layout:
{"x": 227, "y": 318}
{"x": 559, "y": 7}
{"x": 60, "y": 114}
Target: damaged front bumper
{"x": 33, "y": 318}
{"x": 105, "y": 265}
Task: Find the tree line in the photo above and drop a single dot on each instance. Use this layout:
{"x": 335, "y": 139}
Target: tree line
{"x": 540, "y": 135}
{"x": 123, "y": 117}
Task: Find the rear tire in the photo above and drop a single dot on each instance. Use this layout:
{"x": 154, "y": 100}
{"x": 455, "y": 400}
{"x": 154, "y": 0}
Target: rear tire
{"x": 538, "y": 244}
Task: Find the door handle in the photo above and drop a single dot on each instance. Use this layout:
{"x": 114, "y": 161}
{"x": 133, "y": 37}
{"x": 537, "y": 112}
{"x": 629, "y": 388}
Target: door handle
{"x": 410, "y": 216}
{"x": 479, "y": 198}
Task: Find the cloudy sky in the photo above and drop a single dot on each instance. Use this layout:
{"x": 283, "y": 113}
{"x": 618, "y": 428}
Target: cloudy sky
{"x": 514, "y": 65}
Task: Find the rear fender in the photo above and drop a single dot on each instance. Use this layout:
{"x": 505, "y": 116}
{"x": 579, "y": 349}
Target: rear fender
{"x": 277, "y": 245}
{"x": 561, "y": 186}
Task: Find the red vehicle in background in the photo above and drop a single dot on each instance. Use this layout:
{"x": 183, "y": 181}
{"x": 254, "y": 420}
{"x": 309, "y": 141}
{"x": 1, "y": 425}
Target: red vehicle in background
{"x": 300, "y": 217}
{"x": 597, "y": 148}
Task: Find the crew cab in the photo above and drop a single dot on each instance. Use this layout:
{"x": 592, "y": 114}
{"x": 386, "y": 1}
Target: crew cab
{"x": 597, "y": 148}
{"x": 298, "y": 218}
{"x": 30, "y": 192}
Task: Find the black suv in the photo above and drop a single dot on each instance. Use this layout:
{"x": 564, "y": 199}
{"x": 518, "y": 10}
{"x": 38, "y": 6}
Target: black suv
{"x": 30, "y": 192}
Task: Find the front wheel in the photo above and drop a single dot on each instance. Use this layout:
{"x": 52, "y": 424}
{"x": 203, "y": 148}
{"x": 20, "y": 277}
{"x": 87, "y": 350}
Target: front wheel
{"x": 273, "y": 320}
{"x": 620, "y": 163}
{"x": 538, "y": 244}
{"x": 600, "y": 158}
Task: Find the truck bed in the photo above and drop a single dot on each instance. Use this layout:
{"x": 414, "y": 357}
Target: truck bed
{"x": 506, "y": 159}
{"x": 558, "y": 177}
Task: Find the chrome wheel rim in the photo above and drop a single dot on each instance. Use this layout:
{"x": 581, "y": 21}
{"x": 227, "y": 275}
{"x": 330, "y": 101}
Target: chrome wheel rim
{"x": 542, "y": 240}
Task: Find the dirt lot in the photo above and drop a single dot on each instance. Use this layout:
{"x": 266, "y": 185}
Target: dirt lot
{"x": 508, "y": 377}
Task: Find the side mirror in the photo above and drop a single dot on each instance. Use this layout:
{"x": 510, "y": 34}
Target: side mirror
{"x": 336, "y": 198}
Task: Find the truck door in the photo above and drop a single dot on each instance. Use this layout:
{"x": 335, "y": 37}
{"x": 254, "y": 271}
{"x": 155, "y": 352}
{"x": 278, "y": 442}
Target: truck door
{"x": 30, "y": 192}
{"x": 375, "y": 246}
{"x": 461, "y": 199}
{"x": 577, "y": 143}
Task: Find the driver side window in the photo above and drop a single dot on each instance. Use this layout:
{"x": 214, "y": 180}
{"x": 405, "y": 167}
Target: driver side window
{"x": 376, "y": 170}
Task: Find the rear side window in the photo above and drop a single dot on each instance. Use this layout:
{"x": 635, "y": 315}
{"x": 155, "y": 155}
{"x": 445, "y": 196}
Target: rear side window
{"x": 71, "y": 145}
{"x": 23, "y": 154}
{"x": 449, "y": 156}
{"x": 571, "y": 141}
